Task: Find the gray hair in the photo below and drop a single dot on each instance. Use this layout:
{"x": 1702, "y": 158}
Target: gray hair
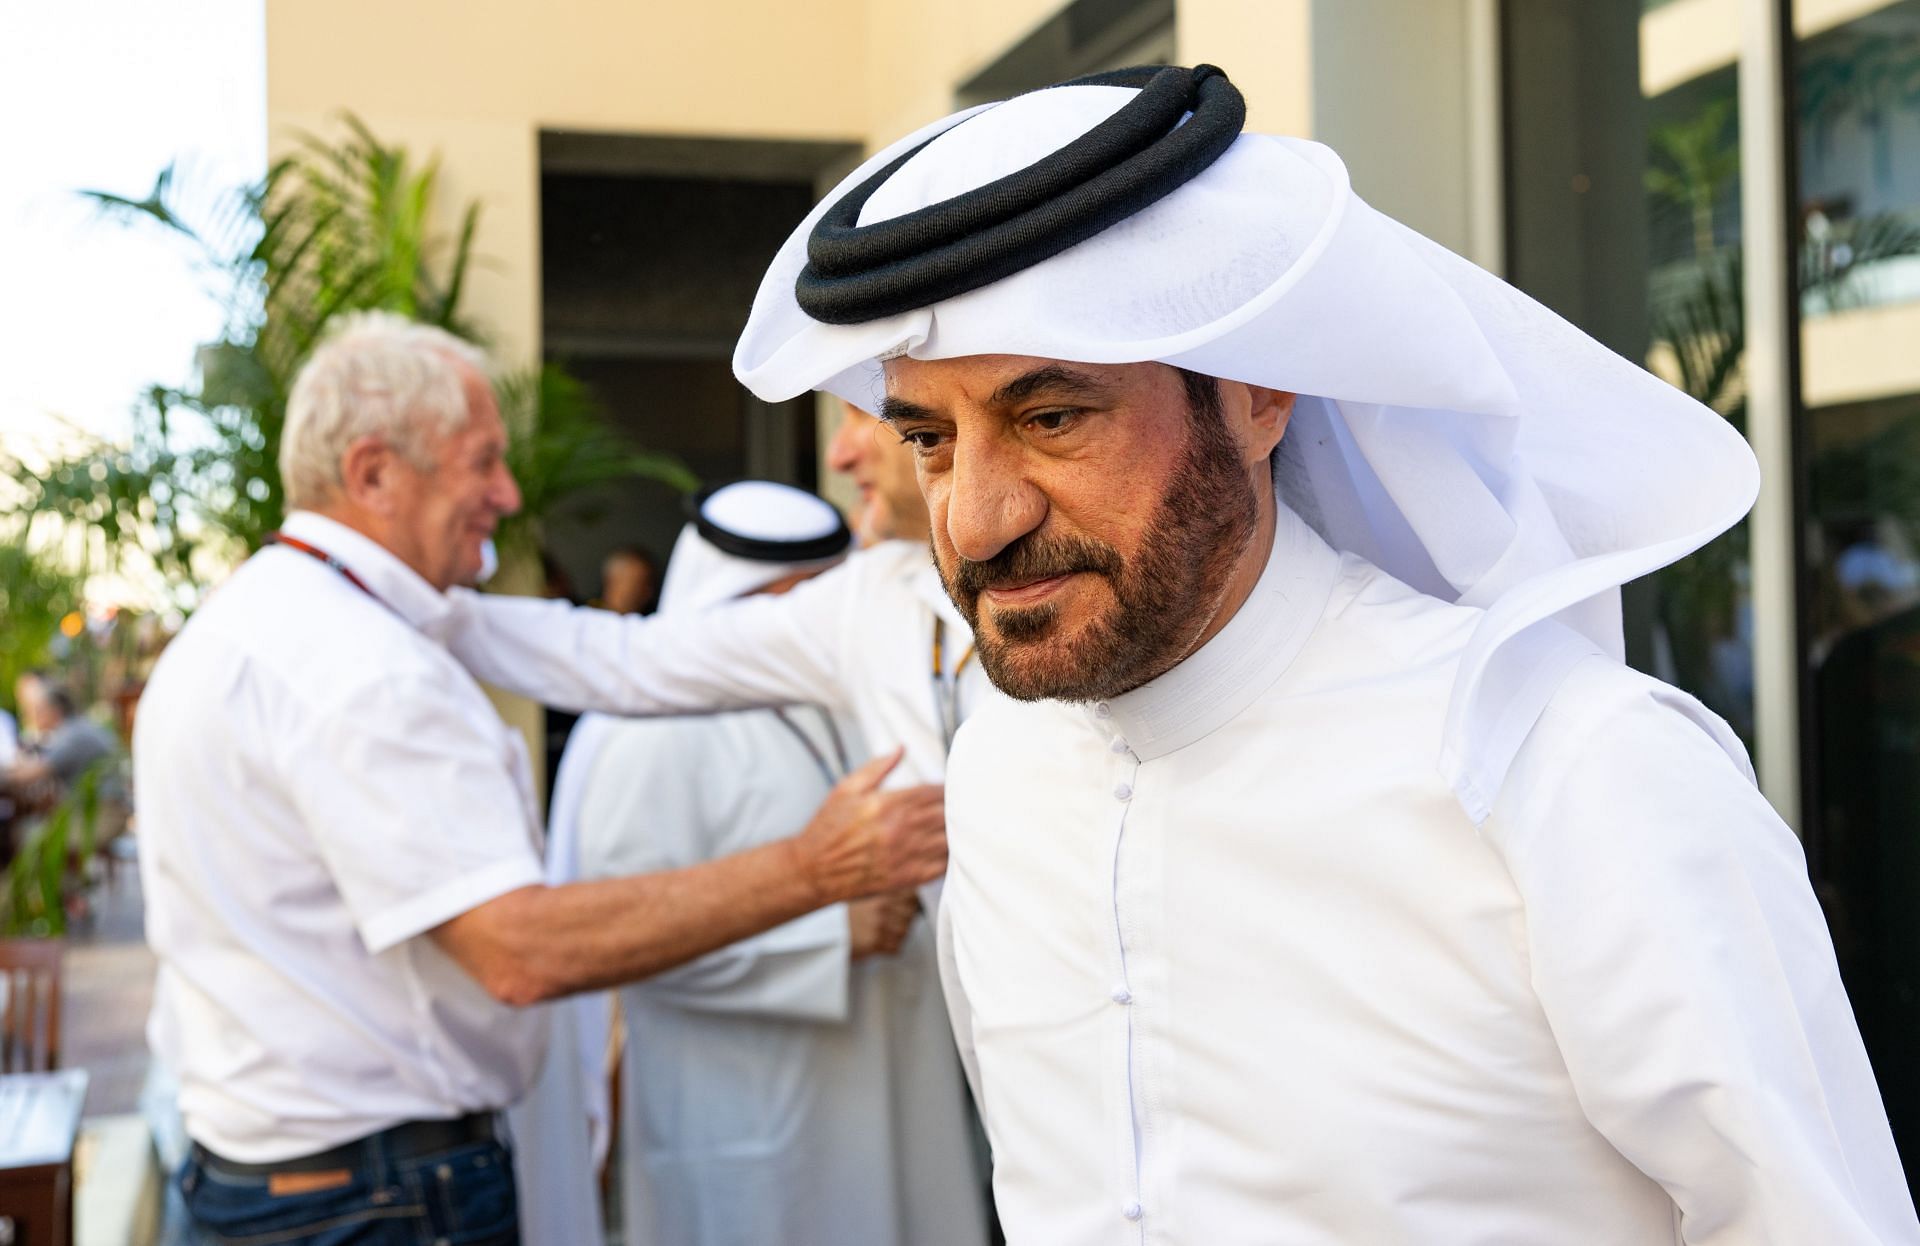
{"x": 377, "y": 373}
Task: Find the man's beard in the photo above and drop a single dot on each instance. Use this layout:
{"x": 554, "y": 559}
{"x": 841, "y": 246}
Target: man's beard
{"x": 1164, "y": 596}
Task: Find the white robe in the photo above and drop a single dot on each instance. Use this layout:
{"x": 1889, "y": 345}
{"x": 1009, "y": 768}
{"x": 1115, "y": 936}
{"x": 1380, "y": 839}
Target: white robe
{"x": 775, "y": 1090}
{"x": 560, "y": 1127}
{"x": 1230, "y": 965}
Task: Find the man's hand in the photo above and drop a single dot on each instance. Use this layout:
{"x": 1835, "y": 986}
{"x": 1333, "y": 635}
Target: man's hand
{"x": 535, "y": 943}
{"x": 864, "y": 841}
{"x": 879, "y": 924}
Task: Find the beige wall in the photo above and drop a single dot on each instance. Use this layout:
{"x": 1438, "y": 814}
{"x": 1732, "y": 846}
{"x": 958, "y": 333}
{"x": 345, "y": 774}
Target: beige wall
{"x": 477, "y": 81}
{"x": 1265, "y": 47}
{"x": 1399, "y": 90}
{"x": 1389, "y": 82}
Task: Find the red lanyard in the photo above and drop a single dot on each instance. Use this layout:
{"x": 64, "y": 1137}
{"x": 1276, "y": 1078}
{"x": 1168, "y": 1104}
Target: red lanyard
{"x": 314, "y": 551}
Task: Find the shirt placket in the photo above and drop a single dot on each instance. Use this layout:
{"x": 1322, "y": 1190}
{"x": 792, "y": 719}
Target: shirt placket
{"x": 1128, "y": 1144}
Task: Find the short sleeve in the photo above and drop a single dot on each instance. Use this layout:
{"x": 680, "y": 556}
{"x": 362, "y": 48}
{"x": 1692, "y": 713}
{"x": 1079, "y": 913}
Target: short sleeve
{"x": 1687, "y": 974}
{"x": 410, "y": 796}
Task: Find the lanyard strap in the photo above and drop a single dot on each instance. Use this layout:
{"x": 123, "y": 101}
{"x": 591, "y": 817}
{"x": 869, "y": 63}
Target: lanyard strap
{"x": 827, "y": 769}
{"x": 314, "y": 551}
{"x": 946, "y": 687}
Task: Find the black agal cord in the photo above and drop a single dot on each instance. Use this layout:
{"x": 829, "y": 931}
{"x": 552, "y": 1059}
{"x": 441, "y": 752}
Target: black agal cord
{"x": 1136, "y": 157}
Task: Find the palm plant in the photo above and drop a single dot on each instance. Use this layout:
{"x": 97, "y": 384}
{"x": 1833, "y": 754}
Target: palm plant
{"x": 1692, "y": 159}
{"x": 333, "y": 228}
{"x": 35, "y": 594}
{"x": 35, "y": 886}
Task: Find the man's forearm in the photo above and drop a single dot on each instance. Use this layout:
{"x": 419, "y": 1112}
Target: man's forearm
{"x": 743, "y": 654}
{"x": 539, "y": 943}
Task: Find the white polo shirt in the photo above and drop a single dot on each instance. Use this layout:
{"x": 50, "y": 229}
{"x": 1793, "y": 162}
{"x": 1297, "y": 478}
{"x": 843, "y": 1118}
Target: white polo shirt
{"x": 319, "y": 785}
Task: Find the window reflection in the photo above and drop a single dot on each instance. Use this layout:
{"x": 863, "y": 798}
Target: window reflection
{"x": 1703, "y": 631}
{"x": 1857, "y": 74}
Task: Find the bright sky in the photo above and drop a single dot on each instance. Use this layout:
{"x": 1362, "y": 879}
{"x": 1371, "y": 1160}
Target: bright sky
{"x": 102, "y": 94}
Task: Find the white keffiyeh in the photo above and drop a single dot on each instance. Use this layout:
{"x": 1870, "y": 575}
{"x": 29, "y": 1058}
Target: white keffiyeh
{"x": 1450, "y": 429}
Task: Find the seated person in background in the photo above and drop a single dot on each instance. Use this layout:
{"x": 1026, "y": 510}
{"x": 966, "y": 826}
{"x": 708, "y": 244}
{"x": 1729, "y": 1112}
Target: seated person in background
{"x": 66, "y": 743}
{"x": 799, "y": 1086}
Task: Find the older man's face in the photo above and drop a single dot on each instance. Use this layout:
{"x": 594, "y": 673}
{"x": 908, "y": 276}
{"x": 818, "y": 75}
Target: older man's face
{"x": 445, "y": 514}
{"x": 1086, "y": 518}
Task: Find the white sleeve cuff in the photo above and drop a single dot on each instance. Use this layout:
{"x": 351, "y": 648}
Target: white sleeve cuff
{"x": 422, "y": 913}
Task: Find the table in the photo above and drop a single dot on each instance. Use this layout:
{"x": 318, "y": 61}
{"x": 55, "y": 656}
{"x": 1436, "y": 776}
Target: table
{"x": 39, "y": 1122}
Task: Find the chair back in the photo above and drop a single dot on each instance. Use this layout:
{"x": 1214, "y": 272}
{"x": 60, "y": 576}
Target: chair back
{"x": 30, "y": 1005}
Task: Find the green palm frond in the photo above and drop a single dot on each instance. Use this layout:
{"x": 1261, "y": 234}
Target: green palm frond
{"x": 562, "y": 446}
{"x": 338, "y": 226}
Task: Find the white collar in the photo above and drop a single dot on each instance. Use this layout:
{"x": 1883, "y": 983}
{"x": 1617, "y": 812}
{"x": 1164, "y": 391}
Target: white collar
{"x": 397, "y": 586}
{"x": 1231, "y": 671}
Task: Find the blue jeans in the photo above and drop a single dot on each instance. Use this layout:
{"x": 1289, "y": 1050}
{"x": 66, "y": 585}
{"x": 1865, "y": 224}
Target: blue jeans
{"x": 458, "y": 1197}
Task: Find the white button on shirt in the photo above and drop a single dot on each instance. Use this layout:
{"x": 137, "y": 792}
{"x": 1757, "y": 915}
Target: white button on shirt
{"x": 1608, "y": 1016}
{"x": 320, "y": 784}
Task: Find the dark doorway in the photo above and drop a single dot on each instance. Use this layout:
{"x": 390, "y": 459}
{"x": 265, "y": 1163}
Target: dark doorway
{"x": 651, "y": 250}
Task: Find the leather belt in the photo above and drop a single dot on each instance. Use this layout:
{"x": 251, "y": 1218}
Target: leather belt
{"x": 407, "y": 1140}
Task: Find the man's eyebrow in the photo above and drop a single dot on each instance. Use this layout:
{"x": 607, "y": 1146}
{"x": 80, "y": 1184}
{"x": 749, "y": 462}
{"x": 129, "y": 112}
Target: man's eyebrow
{"x": 1050, "y": 379}
{"x": 892, "y": 409}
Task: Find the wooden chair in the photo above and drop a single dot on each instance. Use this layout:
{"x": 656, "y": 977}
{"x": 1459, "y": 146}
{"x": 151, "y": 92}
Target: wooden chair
{"x": 30, "y": 1005}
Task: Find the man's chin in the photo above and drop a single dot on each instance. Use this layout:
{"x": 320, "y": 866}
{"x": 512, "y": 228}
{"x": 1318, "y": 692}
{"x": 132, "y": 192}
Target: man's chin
{"x": 1035, "y": 671}
{"x": 473, "y": 565}
{"x": 1032, "y": 655}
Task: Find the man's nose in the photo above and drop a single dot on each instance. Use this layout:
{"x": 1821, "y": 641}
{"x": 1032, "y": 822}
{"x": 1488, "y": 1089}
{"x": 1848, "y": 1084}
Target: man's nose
{"x": 506, "y": 493}
{"x": 843, "y": 449}
{"x": 990, "y": 501}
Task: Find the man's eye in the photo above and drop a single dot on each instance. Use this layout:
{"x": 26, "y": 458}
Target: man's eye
{"x": 921, "y": 439}
{"x": 1052, "y": 421}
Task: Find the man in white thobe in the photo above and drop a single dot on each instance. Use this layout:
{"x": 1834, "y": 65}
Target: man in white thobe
{"x": 798, "y": 1086}
{"x": 1331, "y": 880}
{"x": 1326, "y": 878}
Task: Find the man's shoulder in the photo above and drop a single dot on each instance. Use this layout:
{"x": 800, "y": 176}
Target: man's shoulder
{"x": 1373, "y": 614}
{"x": 869, "y": 583}
{"x": 1605, "y": 700}
{"x": 895, "y": 557}
{"x": 1614, "y": 738}
{"x": 303, "y": 624}
{"x": 889, "y": 568}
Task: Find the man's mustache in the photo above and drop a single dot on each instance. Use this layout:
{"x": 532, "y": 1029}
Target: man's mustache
{"x": 1031, "y": 558}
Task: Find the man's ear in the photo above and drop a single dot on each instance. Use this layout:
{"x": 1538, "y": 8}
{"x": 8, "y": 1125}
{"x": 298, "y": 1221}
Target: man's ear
{"x": 1271, "y": 411}
{"x": 366, "y": 473}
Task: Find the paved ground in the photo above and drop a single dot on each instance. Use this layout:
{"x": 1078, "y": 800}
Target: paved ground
{"x": 109, "y": 989}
